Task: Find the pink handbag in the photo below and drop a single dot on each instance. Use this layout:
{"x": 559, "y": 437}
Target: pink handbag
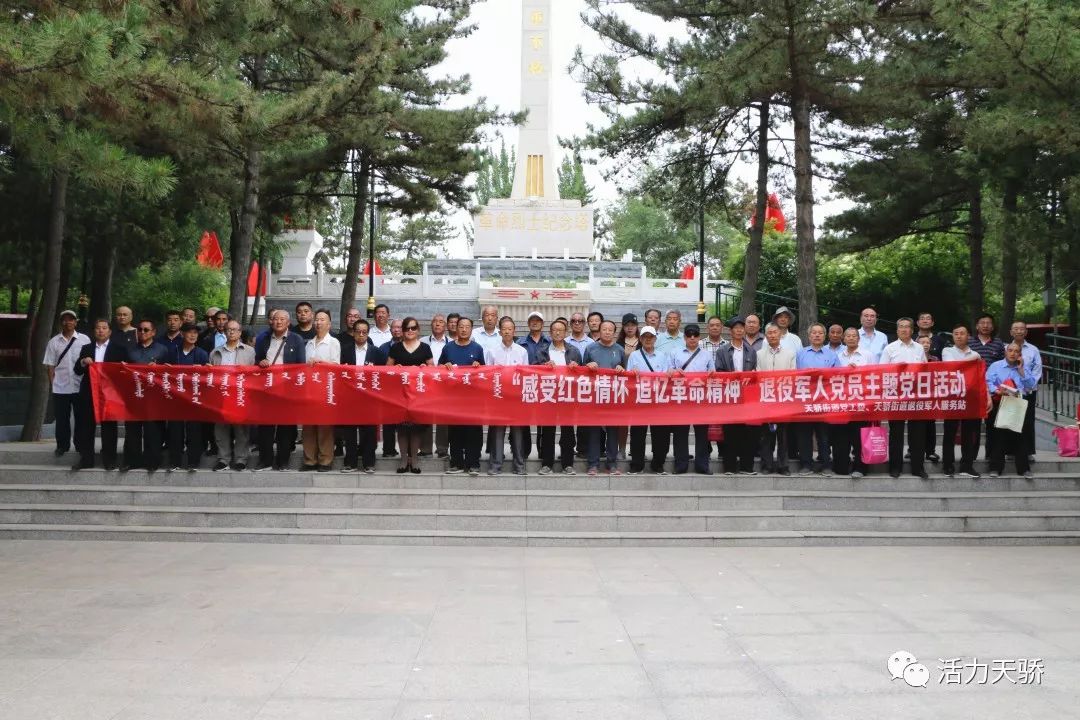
{"x": 1068, "y": 440}
{"x": 875, "y": 445}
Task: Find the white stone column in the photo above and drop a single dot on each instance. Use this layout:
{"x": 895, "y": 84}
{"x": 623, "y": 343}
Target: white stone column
{"x": 536, "y": 162}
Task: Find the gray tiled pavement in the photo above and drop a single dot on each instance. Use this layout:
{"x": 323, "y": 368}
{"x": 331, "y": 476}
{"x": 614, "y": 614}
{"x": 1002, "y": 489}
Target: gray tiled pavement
{"x": 130, "y": 631}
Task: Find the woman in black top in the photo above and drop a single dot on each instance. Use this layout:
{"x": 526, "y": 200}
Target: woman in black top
{"x": 410, "y": 352}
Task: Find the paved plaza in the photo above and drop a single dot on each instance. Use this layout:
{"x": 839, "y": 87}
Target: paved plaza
{"x": 132, "y": 631}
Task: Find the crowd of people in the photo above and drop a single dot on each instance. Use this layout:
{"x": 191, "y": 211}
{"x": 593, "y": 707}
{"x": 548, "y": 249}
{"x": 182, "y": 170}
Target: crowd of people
{"x": 662, "y": 343}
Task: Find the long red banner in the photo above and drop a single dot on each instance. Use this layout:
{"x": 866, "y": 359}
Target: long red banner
{"x": 347, "y": 395}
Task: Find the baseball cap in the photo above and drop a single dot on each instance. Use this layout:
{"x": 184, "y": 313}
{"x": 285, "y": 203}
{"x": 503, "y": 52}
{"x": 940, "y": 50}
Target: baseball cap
{"x": 647, "y": 330}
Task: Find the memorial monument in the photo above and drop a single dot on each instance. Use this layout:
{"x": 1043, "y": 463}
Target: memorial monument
{"x": 534, "y": 221}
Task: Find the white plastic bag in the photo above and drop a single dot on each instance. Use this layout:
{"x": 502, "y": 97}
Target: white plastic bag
{"x": 1010, "y": 414}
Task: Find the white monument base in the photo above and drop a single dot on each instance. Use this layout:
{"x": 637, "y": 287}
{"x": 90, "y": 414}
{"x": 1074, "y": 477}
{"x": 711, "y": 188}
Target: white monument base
{"x": 534, "y": 228}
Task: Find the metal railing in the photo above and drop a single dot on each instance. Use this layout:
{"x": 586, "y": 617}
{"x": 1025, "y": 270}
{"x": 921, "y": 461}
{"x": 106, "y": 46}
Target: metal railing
{"x": 729, "y": 299}
{"x": 1059, "y": 389}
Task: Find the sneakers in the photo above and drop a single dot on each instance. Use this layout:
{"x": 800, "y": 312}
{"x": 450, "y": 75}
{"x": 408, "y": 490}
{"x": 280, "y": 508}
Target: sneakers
{"x": 922, "y": 475}
{"x": 474, "y": 472}
{"x": 614, "y": 471}
{"x": 520, "y": 471}
{"x": 805, "y": 472}
{"x": 969, "y": 474}
{"x": 569, "y": 470}
{"x": 348, "y": 469}
{"x": 933, "y": 457}
{"x": 371, "y": 471}
{"x": 747, "y": 472}
{"x": 221, "y": 465}
{"x": 239, "y": 466}
{"x": 453, "y": 471}
{"x": 856, "y": 475}
{"x": 994, "y": 474}
{"x": 1029, "y": 476}
{"x": 593, "y": 471}
{"x": 176, "y": 468}
{"x": 263, "y": 468}
{"x": 545, "y": 470}
{"x": 493, "y": 471}
{"x": 949, "y": 472}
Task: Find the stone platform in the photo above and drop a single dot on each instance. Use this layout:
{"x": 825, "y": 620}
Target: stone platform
{"x": 41, "y": 498}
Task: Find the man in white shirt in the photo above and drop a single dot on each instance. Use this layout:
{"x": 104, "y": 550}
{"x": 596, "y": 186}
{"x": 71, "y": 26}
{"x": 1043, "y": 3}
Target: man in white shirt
{"x": 1032, "y": 360}
{"x": 487, "y": 335}
{"x": 784, "y": 319}
{"x": 318, "y": 440}
{"x": 381, "y": 333}
{"x": 905, "y": 350}
{"x": 774, "y": 437}
{"x": 61, "y": 355}
{"x": 969, "y": 429}
{"x": 507, "y": 353}
{"x": 846, "y": 438}
{"x": 871, "y": 340}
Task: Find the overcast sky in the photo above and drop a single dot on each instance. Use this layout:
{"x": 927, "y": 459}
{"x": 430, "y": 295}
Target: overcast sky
{"x": 491, "y": 57}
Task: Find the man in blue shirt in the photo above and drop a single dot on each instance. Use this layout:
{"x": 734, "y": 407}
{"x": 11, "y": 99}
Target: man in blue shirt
{"x": 815, "y": 355}
{"x": 1031, "y": 359}
{"x": 691, "y": 358}
{"x": 647, "y": 359}
{"x": 533, "y": 342}
{"x": 1008, "y": 378}
{"x": 142, "y": 439}
{"x": 465, "y": 440}
{"x": 605, "y": 354}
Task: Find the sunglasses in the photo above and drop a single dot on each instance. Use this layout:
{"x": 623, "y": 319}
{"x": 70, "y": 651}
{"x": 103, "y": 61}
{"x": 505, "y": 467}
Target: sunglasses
{"x": 146, "y": 329}
{"x": 412, "y": 327}
{"x": 693, "y": 335}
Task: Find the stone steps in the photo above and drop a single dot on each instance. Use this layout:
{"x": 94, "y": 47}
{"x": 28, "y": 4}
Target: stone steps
{"x": 534, "y": 538}
{"x": 302, "y": 498}
{"x": 426, "y": 520}
{"x": 40, "y": 497}
{"x": 439, "y": 480}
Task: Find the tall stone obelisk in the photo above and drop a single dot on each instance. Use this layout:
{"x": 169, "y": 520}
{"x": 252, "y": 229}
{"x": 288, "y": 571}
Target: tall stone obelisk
{"x": 534, "y": 221}
{"x": 535, "y": 174}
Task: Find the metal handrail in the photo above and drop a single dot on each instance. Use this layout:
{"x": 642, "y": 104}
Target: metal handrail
{"x": 1059, "y": 389}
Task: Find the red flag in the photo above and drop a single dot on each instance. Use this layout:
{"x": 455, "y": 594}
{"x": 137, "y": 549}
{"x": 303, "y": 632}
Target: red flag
{"x": 774, "y": 214}
{"x": 210, "y": 251}
{"x": 253, "y": 281}
{"x": 367, "y": 268}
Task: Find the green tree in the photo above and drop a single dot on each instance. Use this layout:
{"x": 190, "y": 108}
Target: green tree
{"x": 495, "y": 175}
{"x": 416, "y": 240}
{"x": 660, "y": 241}
{"x": 73, "y": 74}
{"x": 572, "y": 183}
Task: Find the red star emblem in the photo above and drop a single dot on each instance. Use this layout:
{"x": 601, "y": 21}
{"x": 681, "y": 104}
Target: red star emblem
{"x": 535, "y": 294}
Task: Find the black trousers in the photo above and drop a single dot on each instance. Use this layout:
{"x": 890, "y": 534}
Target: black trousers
{"x": 546, "y": 440}
{"x": 184, "y": 435}
{"x": 916, "y": 441}
{"x": 809, "y": 432}
{"x": 774, "y": 450}
{"x": 931, "y": 438}
{"x": 661, "y": 440}
{"x": 84, "y": 436}
{"x": 680, "y": 440}
{"x": 276, "y": 444}
{"x": 1029, "y": 425}
{"x": 465, "y": 444}
{"x": 142, "y": 444}
{"x": 389, "y": 439}
{"x": 1005, "y": 442}
{"x": 360, "y": 444}
{"x": 846, "y": 442}
{"x": 740, "y": 447}
{"x": 969, "y": 444}
{"x": 64, "y": 406}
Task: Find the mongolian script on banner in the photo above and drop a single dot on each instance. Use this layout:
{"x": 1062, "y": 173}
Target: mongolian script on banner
{"x": 346, "y": 395}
